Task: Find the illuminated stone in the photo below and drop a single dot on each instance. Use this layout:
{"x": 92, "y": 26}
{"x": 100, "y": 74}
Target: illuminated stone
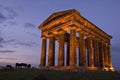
{"x": 43, "y": 53}
{"x": 51, "y": 53}
{"x": 82, "y": 51}
{"x": 92, "y": 42}
{"x": 61, "y": 50}
{"x": 90, "y": 52}
{"x": 72, "y": 47}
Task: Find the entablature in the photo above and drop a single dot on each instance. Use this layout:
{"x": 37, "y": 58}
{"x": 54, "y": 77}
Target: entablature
{"x": 59, "y": 23}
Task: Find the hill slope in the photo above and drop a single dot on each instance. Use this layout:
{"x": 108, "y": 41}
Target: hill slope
{"x": 36, "y": 74}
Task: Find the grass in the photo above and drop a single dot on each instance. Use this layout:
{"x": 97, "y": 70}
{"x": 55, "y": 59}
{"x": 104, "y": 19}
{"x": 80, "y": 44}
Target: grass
{"x": 36, "y": 74}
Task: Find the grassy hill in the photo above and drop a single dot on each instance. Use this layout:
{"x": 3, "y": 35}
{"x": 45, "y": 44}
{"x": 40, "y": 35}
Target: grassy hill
{"x": 36, "y": 74}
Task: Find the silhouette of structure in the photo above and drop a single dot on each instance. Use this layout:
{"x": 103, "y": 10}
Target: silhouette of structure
{"x": 9, "y": 67}
{"x": 22, "y": 65}
{"x": 86, "y": 46}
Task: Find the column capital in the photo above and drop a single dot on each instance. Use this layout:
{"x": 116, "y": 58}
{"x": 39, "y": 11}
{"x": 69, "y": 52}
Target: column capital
{"x": 72, "y": 27}
{"x": 43, "y": 37}
{"x": 81, "y": 32}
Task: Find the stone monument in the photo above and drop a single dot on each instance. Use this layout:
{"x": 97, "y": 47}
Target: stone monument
{"x": 86, "y": 46}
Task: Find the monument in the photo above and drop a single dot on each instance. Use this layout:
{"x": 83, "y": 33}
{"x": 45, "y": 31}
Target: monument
{"x": 86, "y": 46}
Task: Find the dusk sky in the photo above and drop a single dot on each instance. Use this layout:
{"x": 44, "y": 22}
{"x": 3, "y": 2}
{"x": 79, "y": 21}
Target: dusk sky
{"x": 19, "y": 20}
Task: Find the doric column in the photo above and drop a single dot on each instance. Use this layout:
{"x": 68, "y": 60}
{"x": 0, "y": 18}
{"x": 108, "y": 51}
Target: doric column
{"x": 105, "y": 56}
{"x": 68, "y": 54}
{"x": 103, "y": 52}
{"x": 61, "y": 50}
{"x": 72, "y": 47}
{"x": 96, "y": 53}
{"x": 82, "y": 50}
{"x": 101, "y": 55}
{"x": 109, "y": 57}
{"x": 43, "y": 52}
{"x": 51, "y": 52}
{"x": 90, "y": 52}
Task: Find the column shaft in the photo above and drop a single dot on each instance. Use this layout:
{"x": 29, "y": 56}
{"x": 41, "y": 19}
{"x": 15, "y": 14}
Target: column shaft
{"x": 90, "y": 52}
{"x": 43, "y": 52}
{"x": 96, "y": 53}
{"x": 105, "y": 56}
{"x": 51, "y": 53}
{"x": 82, "y": 50}
{"x": 101, "y": 55}
{"x": 109, "y": 57}
{"x": 61, "y": 50}
{"x": 72, "y": 47}
{"x": 68, "y": 54}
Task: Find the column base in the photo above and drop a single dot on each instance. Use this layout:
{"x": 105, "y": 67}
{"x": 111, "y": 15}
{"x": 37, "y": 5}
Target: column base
{"x": 109, "y": 69}
{"x": 76, "y": 68}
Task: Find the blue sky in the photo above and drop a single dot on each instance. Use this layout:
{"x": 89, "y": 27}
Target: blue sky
{"x": 19, "y": 20}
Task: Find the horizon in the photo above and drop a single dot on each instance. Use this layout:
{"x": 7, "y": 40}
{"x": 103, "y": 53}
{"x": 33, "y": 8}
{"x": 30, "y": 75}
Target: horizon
{"x": 20, "y": 37}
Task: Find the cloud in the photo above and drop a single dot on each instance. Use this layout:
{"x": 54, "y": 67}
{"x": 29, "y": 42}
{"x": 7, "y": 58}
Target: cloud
{"x": 24, "y": 44}
{"x": 12, "y": 23}
{"x": 4, "y": 43}
{"x": 1, "y": 41}
{"x": 9, "y": 41}
{"x": 12, "y": 13}
{"x": 115, "y": 48}
{"x": 15, "y": 43}
{"x": 29, "y": 44}
{"x": 8, "y": 58}
{"x": 29, "y": 25}
{"x": 9, "y": 12}
{"x": 7, "y": 51}
{"x": 2, "y": 18}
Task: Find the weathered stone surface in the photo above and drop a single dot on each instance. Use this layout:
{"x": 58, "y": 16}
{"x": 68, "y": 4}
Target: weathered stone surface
{"x": 43, "y": 53}
{"x": 90, "y": 49}
{"x": 61, "y": 50}
{"x": 51, "y": 53}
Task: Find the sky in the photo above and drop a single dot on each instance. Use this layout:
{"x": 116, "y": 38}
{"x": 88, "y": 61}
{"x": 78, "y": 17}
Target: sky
{"x": 19, "y": 20}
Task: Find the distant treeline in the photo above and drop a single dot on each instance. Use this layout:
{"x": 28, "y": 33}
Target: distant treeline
{"x": 19, "y": 65}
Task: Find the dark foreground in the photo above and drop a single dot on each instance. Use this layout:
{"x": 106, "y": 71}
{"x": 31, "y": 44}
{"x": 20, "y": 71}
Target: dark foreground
{"x": 36, "y": 74}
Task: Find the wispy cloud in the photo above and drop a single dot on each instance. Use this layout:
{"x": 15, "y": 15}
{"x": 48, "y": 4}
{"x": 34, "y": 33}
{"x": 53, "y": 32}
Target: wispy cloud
{"x": 116, "y": 48}
{"x": 9, "y": 12}
{"x": 29, "y": 25}
{"x": 12, "y": 23}
{"x": 7, "y": 51}
{"x": 1, "y": 41}
{"x": 8, "y": 58}
{"x": 12, "y": 12}
{"x": 2, "y": 18}
{"x": 29, "y": 44}
{"x": 4, "y": 42}
{"x": 14, "y": 43}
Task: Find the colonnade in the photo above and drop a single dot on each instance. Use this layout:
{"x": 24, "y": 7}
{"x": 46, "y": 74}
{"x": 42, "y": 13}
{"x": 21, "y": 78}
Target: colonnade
{"x": 92, "y": 52}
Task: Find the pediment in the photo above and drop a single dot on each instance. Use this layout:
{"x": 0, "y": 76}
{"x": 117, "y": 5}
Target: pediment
{"x": 56, "y": 15}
